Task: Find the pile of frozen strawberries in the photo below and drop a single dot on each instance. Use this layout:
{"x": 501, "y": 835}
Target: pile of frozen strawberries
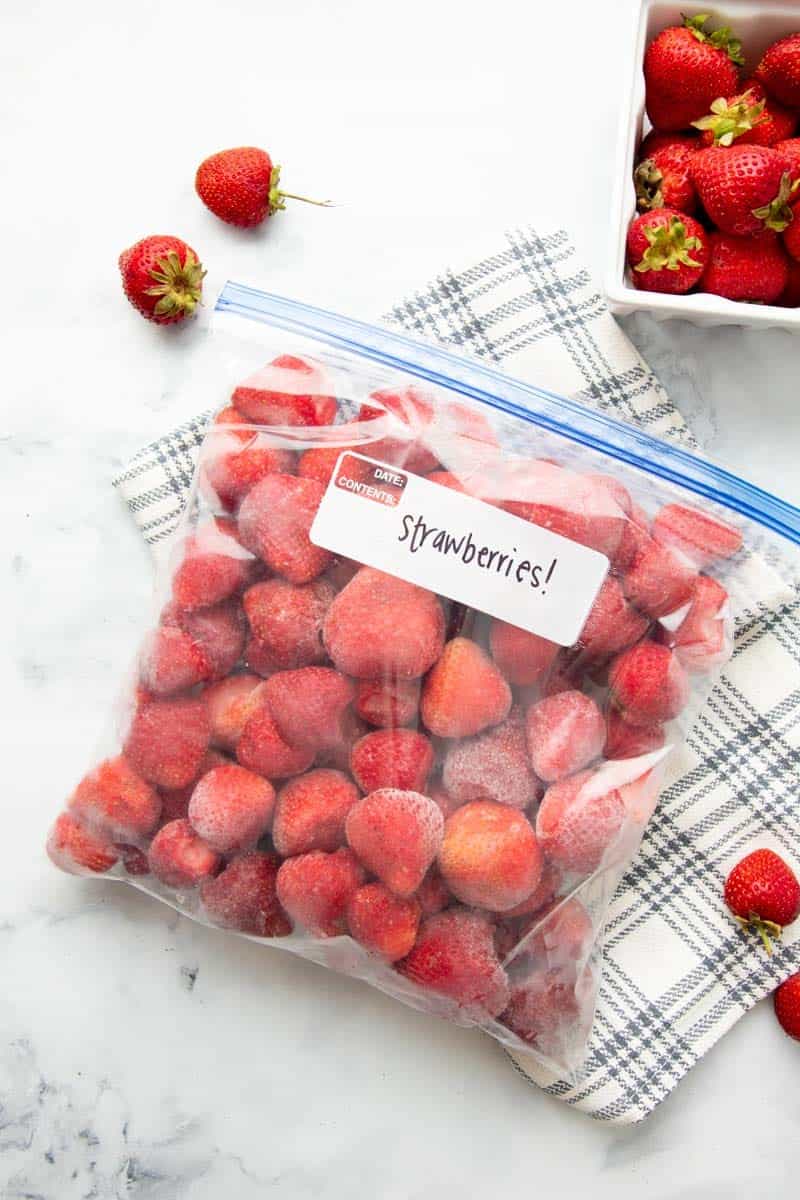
{"x": 718, "y": 177}
{"x": 316, "y": 748}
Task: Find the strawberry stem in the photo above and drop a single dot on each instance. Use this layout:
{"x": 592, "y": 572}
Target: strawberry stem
{"x": 277, "y": 197}
{"x": 765, "y": 929}
{"x": 729, "y": 119}
{"x": 720, "y": 39}
{"x": 669, "y": 248}
{"x": 179, "y": 285}
{"x": 648, "y": 179}
{"x": 778, "y": 214}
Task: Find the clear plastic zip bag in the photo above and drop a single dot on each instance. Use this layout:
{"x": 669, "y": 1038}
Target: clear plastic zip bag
{"x": 425, "y": 642}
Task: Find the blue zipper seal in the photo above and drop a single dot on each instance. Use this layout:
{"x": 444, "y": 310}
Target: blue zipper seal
{"x": 531, "y": 404}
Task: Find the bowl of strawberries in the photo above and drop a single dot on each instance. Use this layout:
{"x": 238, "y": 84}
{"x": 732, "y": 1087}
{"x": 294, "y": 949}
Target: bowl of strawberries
{"x": 707, "y": 211}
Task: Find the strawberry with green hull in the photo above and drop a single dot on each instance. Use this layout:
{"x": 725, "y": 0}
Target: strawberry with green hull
{"x": 744, "y": 189}
{"x": 240, "y": 186}
{"x": 750, "y": 118}
{"x": 752, "y": 269}
{"x": 664, "y": 178}
{"x": 163, "y": 278}
{"x": 667, "y": 251}
{"x": 779, "y": 70}
{"x": 763, "y": 894}
{"x": 686, "y": 68}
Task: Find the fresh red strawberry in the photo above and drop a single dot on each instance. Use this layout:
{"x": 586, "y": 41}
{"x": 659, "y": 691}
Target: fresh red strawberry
{"x": 790, "y": 296}
{"x": 779, "y": 70}
{"x": 749, "y": 118}
{"x": 162, "y": 277}
{"x": 744, "y": 189}
{"x": 790, "y": 149}
{"x": 745, "y": 268}
{"x": 667, "y": 251}
{"x": 791, "y": 238}
{"x": 763, "y": 894}
{"x": 656, "y": 141}
{"x": 787, "y": 1006}
{"x": 664, "y": 178}
{"x": 240, "y": 186}
{"x": 685, "y": 69}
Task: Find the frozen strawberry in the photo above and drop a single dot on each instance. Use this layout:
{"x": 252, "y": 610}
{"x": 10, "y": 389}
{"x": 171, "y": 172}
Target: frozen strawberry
{"x": 168, "y": 739}
{"x": 230, "y": 702}
{"x": 274, "y": 523}
{"x": 244, "y": 897}
{"x": 396, "y": 835}
{"x": 454, "y": 955}
{"x": 319, "y": 462}
{"x": 287, "y": 620}
{"x": 114, "y": 799}
{"x": 171, "y": 661}
{"x": 308, "y": 705}
{"x": 579, "y": 821}
{"x": 704, "y": 639}
{"x": 175, "y": 801}
{"x": 337, "y": 754}
{"x": 443, "y": 800}
{"x": 433, "y": 893}
{"x": 648, "y": 684}
{"x": 180, "y": 858}
{"x": 464, "y": 692}
{"x": 231, "y": 808}
{"x": 383, "y": 923}
{"x": 492, "y": 766}
{"x": 561, "y": 934}
{"x": 489, "y": 855}
{"x": 523, "y": 657}
{"x": 408, "y": 416}
{"x": 575, "y": 506}
{"x": 624, "y": 740}
{"x": 387, "y": 702}
{"x": 551, "y": 1008}
{"x": 657, "y": 581}
{"x": 612, "y": 625}
{"x": 542, "y": 894}
{"x": 257, "y": 657}
{"x": 565, "y": 733}
{"x": 76, "y": 849}
{"x": 134, "y": 860}
{"x": 315, "y": 889}
{"x": 287, "y": 391}
{"x": 215, "y": 565}
{"x": 218, "y": 632}
{"x": 310, "y": 812}
{"x": 379, "y": 627}
{"x": 261, "y": 747}
{"x": 229, "y": 469}
{"x": 392, "y": 758}
{"x": 635, "y": 536}
{"x": 703, "y": 539}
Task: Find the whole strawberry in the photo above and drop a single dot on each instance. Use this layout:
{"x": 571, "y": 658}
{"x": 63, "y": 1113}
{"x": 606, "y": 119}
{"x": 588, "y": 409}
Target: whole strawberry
{"x": 750, "y": 118}
{"x": 240, "y": 186}
{"x": 162, "y": 278}
{"x": 787, "y": 1006}
{"x": 763, "y": 894}
{"x": 753, "y": 269}
{"x": 685, "y": 69}
{"x": 790, "y": 149}
{"x": 664, "y": 178}
{"x": 667, "y": 251}
{"x": 791, "y": 238}
{"x": 744, "y": 189}
{"x": 779, "y": 70}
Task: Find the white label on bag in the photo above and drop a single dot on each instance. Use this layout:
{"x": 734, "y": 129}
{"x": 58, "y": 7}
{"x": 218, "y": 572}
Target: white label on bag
{"x": 463, "y": 548}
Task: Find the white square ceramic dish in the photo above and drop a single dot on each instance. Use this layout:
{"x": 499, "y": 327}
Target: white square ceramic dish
{"x": 758, "y": 23}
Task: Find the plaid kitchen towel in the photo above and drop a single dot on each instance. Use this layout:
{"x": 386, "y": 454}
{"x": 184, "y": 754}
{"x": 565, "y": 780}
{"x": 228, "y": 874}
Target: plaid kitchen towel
{"x": 677, "y": 974}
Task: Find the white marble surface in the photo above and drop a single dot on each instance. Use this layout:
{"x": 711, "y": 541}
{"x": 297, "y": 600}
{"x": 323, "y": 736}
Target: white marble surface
{"x": 141, "y": 1055}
